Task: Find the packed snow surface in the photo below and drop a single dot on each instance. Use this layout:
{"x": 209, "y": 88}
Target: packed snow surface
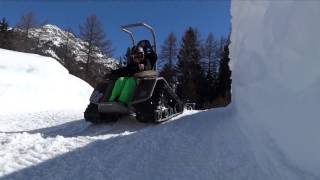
{"x": 30, "y": 82}
{"x": 194, "y": 145}
{"x": 269, "y": 132}
{"x": 276, "y": 77}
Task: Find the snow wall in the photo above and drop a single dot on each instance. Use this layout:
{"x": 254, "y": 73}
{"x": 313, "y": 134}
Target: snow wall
{"x": 275, "y": 58}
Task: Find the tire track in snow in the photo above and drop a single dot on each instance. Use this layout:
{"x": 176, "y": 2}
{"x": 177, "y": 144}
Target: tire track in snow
{"x": 30, "y": 121}
{"x": 22, "y": 149}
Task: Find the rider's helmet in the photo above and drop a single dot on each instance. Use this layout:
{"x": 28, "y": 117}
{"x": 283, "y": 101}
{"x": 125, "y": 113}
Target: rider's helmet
{"x": 137, "y": 54}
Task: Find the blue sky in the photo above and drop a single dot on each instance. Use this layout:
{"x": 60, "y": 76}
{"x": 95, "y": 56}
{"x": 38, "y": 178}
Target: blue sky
{"x": 164, "y": 16}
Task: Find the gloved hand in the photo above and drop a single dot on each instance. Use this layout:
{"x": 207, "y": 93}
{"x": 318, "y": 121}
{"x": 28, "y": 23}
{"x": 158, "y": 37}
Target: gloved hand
{"x": 141, "y": 67}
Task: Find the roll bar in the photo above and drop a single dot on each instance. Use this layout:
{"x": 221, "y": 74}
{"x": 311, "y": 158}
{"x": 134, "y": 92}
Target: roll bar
{"x": 125, "y": 29}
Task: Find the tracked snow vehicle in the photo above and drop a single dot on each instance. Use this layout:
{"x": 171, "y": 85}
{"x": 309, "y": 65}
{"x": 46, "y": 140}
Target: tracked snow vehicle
{"x": 153, "y": 100}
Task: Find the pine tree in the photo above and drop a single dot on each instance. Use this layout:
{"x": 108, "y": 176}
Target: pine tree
{"x": 5, "y": 34}
{"x": 4, "y": 25}
{"x": 27, "y": 22}
{"x": 189, "y": 71}
{"x": 221, "y": 45}
{"x": 25, "y": 44}
{"x": 168, "y": 57}
{"x": 208, "y": 53}
{"x": 67, "y": 54}
{"x": 38, "y": 48}
{"x": 92, "y": 33}
{"x": 224, "y": 86}
{"x": 169, "y": 50}
{"x": 210, "y": 64}
{"x": 168, "y": 72}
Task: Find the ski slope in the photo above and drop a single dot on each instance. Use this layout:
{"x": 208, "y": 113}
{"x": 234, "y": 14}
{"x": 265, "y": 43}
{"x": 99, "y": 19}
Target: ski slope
{"x": 268, "y": 132}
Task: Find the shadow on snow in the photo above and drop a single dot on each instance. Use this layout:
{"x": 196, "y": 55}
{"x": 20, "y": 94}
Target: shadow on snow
{"x": 83, "y": 128}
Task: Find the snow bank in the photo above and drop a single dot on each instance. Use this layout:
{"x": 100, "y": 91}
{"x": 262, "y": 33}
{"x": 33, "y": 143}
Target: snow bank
{"x": 30, "y": 83}
{"x": 276, "y": 76}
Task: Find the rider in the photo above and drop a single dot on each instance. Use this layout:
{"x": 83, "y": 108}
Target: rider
{"x": 142, "y": 58}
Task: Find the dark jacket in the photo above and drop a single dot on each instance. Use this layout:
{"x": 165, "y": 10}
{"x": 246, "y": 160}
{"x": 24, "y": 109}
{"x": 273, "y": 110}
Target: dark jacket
{"x": 132, "y": 67}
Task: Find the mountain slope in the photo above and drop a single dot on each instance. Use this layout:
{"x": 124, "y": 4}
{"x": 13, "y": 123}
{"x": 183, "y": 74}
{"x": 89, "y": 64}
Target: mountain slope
{"x": 51, "y": 36}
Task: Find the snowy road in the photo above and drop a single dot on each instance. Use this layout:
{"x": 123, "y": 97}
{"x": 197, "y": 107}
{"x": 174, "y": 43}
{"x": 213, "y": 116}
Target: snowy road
{"x": 28, "y": 139}
{"x": 204, "y": 145}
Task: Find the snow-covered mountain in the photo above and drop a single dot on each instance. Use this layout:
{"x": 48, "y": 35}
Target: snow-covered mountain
{"x": 50, "y": 40}
{"x": 51, "y": 37}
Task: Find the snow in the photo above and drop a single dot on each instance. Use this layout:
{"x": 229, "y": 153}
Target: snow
{"x": 50, "y": 32}
{"x": 194, "y": 145}
{"x": 276, "y": 78}
{"x": 42, "y": 141}
{"x": 31, "y": 83}
{"x": 268, "y": 132}
{"x": 42, "y": 116}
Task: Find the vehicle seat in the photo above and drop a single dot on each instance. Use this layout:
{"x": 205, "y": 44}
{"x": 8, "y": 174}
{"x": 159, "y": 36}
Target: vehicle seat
{"x": 146, "y": 74}
{"x": 151, "y": 56}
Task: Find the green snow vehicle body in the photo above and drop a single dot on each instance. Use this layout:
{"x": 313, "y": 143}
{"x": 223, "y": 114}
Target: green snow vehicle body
{"x": 153, "y": 101}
